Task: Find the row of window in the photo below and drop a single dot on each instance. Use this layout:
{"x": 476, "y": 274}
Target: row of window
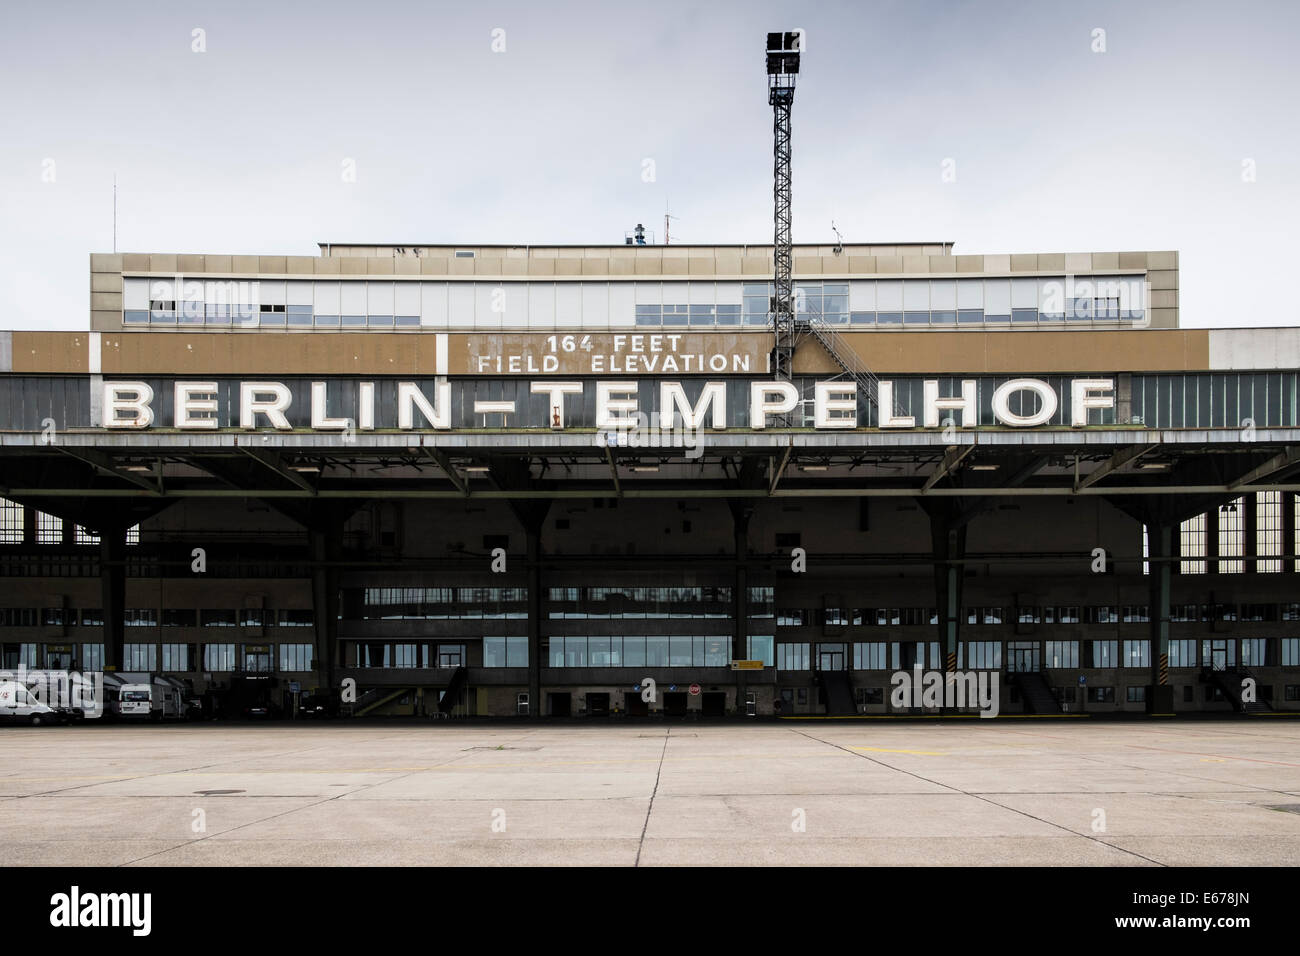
{"x": 652, "y": 651}
{"x": 1080, "y": 311}
{"x": 1215, "y": 399}
{"x": 625, "y": 604}
{"x": 151, "y": 617}
{"x": 48, "y": 528}
{"x": 1137, "y": 694}
{"x": 263, "y": 316}
{"x": 174, "y": 658}
{"x": 413, "y": 655}
{"x": 565, "y": 603}
{"x": 435, "y": 604}
{"x": 1231, "y": 400}
{"x": 1033, "y": 656}
{"x": 389, "y": 304}
{"x": 1228, "y": 526}
{"x": 1057, "y": 614}
{"x": 654, "y": 316}
{"x": 677, "y": 651}
{"x": 606, "y": 603}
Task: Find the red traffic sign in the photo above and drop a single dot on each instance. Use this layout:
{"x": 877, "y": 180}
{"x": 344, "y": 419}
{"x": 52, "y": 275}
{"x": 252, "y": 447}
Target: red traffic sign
{"x": 694, "y": 690}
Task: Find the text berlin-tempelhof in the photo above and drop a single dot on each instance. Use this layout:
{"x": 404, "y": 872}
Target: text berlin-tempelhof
{"x": 129, "y": 404}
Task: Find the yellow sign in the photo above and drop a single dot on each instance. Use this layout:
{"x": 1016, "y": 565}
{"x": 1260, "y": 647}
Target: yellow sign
{"x": 746, "y": 665}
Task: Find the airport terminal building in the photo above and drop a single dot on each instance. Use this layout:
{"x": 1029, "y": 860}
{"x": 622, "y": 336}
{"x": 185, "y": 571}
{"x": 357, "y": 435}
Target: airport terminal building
{"x": 525, "y": 481}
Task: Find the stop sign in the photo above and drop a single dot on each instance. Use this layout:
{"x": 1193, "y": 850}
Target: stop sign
{"x": 695, "y": 690}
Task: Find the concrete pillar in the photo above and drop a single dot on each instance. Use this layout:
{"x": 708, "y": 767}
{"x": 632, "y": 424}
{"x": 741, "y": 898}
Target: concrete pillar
{"x": 948, "y": 542}
{"x": 1250, "y": 532}
{"x": 533, "y": 534}
{"x": 740, "y": 588}
{"x": 740, "y": 515}
{"x": 326, "y": 551}
{"x": 1211, "y": 541}
{"x": 112, "y": 582}
{"x": 1288, "y": 531}
{"x": 1160, "y": 544}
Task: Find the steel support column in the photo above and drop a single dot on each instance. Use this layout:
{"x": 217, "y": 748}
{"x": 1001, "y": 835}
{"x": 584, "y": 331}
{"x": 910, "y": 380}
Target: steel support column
{"x": 533, "y": 534}
{"x": 1160, "y": 544}
{"x": 326, "y": 546}
{"x": 112, "y": 582}
{"x": 1288, "y": 529}
{"x": 741, "y": 511}
{"x": 948, "y": 540}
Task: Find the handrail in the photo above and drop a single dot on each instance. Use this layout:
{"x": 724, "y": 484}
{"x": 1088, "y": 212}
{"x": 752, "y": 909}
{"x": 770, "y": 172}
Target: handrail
{"x": 848, "y": 360}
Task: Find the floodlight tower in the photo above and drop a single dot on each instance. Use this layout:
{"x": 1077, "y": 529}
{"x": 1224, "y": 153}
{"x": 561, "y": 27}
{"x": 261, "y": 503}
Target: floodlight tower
{"x": 782, "y": 68}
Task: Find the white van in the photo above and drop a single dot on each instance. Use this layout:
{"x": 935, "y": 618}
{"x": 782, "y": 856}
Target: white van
{"x": 143, "y": 696}
{"x": 127, "y": 695}
{"x": 169, "y": 695}
{"x": 18, "y": 704}
{"x": 135, "y": 700}
{"x": 72, "y": 695}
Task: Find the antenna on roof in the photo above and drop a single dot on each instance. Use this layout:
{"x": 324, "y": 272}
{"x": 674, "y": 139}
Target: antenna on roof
{"x": 666, "y": 218}
{"x": 115, "y": 213}
{"x": 839, "y": 240}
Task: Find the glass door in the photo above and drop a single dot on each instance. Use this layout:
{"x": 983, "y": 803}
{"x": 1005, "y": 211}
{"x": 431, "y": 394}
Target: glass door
{"x": 257, "y": 659}
{"x": 1218, "y": 655}
{"x": 831, "y": 657}
{"x": 58, "y": 658}
{"x": 1022, "y": 657}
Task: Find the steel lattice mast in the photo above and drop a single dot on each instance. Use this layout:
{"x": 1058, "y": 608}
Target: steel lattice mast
{"x": 782, "y": 68}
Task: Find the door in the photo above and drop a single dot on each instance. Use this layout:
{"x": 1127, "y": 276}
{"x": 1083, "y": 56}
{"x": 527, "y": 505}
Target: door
{"x": 908, "y": 655}
{"x": 1022, "y": 657}
{"x": 1218, "y": 655}
{"x": 257, "y": 659}
{"x": 675, "y": 704}
{"x": 831, "y": 657}
{"x": 561, "y": 704}
{"x": 713, "y": 704}
{"x": 598, "y": 705}
{"x": 58, "y": 658}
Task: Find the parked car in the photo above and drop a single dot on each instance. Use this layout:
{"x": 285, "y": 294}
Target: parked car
{"x": 318, "y": 706}
{"x": 17, "y": 704}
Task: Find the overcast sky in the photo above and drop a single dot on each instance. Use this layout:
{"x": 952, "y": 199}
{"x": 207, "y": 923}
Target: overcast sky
{"x": 1055, "y": 147}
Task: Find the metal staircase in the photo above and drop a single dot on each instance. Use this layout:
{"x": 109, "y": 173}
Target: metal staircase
{"x": 373, "y": 699}
{"x": 831, "y": 340}
{"x": 1035, "y": 693}
{"x": 837, "y": 693}
{"x": 452, "y": 695}
{"x": 1229, "y": 680}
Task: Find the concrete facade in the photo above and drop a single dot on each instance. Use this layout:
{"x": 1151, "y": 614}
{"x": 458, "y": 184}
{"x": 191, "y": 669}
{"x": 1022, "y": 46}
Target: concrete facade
{"x": 514, "y": 558}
